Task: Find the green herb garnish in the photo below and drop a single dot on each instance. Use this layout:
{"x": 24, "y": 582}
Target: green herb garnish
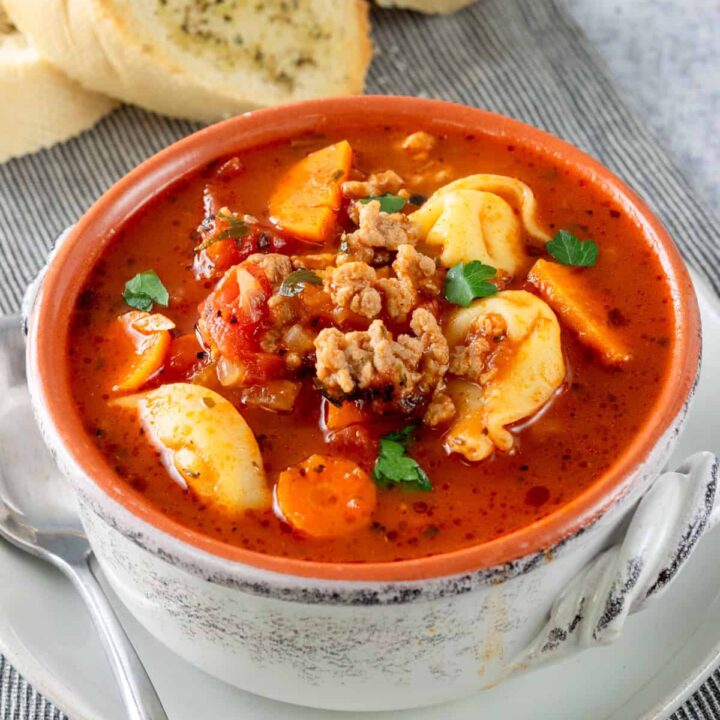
{"x": 395, "y": 467}
{"x": 236, "y": 230}
{"x": 145, "y": 289}
{"x": 464, "y": 283}
{"x": 294, "y": 283}
{"x": 205, "y": 244}
{"x": 569, "y": 250}
{"x": 237, "y": 227}
{"x": 388, "y": 203}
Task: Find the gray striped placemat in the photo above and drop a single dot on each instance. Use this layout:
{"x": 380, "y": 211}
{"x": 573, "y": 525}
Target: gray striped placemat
{"x": 524, "y": 58}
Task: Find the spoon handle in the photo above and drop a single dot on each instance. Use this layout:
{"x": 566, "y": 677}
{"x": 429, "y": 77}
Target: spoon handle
{"x": 140, "y": 697}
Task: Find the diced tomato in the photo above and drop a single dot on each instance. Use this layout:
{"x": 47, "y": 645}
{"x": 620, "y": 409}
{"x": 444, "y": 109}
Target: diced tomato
{"x": 235, "y": 311}
{"x": 354, "y": 440}
{"x": 337, "y": 418}
{"x": 184, "y": 358}
{"x": 227, "y": 238}
{"x": 219, "y": 256}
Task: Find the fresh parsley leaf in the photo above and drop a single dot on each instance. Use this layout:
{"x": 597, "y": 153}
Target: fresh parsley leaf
{"x": 395, "y": 467}
{"x": 464, "y": 283}
{"x": 569, "y": 250}
{"x": 403, "y": 437}
{"x": 233, "y": 233}
{"x": 294, "y": 283}
{"x": 237, "y": 227}
{"x": 388, "y": 203}
{"x": 145, "y": 289}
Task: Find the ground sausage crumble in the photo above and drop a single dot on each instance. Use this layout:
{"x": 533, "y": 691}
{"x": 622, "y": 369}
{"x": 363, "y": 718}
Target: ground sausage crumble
{"x": 393, "y": 374}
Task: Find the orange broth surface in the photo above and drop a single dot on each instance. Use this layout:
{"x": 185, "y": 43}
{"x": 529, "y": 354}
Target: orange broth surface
{"x": 556, "y": 456}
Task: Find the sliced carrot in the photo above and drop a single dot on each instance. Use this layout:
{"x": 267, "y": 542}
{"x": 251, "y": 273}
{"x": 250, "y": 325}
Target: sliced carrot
{"x": 307, "y": 197}
{"x": 326, "y": 497}
{"x": 347, "y": 414}
{"x": 572, "y": 298}
{"x": 149, "y": 335}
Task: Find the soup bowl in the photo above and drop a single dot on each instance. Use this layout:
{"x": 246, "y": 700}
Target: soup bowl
{"x": 372, "y": 636}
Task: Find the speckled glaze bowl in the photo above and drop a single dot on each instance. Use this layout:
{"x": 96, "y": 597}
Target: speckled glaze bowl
{"x": 377, "y": 636}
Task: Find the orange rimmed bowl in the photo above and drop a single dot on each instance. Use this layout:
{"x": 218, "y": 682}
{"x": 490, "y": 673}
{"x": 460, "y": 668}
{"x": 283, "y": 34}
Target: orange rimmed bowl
{"x": 349, "y": 636}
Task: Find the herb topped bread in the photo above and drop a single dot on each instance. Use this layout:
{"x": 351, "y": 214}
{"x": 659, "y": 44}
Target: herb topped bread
{"x": 53, "y": 106}
{"x": 203, "y": 60}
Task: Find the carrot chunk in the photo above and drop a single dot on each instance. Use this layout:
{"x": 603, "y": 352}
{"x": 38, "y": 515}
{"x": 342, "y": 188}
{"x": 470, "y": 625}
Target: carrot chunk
{"x": 307, "y": 197}
{"x": 567, "y": 293}
{"x": 347, "y": 414}
{"x": 149, "y": 336}
{"x": 326, "y": 497}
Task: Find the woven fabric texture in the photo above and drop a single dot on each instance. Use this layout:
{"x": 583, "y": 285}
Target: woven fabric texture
{"x": 524, "y": 58}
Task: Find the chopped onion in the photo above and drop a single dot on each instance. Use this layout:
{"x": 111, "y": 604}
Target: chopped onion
{"x": 230, "y": 373}
{"x": 298, "y": 339}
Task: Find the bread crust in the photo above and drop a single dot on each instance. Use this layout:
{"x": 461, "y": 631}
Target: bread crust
{"x": 93, "y": 43}
{"x": 53, "y": 106}
{"x": 442, "y": 7}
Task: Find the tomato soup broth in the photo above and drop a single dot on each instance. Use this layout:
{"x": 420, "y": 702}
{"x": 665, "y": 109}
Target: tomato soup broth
{"x": 557, "y": 452}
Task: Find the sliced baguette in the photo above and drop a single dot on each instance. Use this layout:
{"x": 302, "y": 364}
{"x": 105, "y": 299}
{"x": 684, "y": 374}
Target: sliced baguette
{"x": 203, "y": 60}
{"x": 41, "y": 105}
{"x": 426, "y": 6}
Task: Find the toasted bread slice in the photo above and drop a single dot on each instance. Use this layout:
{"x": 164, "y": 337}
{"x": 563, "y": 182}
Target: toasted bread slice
{"x": 203, "y": 61}
{"x": 41, "y": 105}
{"x": 426, "y": 6}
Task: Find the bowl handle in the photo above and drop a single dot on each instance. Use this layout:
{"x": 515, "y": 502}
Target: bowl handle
{"x": 667, "y": 523}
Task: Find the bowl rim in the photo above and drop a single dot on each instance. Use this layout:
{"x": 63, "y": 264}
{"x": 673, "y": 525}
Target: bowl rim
{"x": 85, "y": 242}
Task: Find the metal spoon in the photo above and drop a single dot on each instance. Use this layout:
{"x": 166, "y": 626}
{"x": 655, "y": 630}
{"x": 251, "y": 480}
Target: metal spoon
{"x": 38, "y": 515}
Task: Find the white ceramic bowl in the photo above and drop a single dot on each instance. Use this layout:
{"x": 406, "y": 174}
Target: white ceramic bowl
{"x": 370, "y": 637}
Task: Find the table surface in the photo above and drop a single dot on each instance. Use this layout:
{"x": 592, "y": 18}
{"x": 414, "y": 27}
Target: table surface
{"x": 665, "y": 55}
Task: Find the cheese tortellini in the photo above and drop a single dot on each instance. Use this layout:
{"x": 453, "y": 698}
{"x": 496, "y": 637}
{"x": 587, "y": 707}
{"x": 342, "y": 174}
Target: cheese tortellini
{"x": 523, "y": 372}
{"x": 205, "y": 444}
{"x": 471, "y": 219}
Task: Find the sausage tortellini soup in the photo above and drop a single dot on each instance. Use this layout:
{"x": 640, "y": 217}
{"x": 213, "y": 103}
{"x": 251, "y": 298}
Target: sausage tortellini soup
{"x": 370, "y": 345}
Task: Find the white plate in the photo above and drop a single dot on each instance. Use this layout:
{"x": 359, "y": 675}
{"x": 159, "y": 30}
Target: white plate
{"x": 665, "y": 653}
